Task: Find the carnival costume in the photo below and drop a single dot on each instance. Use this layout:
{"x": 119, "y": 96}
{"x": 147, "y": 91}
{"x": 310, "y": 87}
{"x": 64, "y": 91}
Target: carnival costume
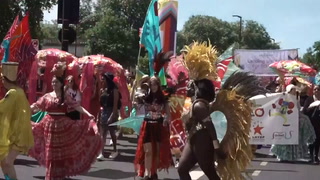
{"x": 152, "y": 131}
{"x": 64, "y": 146}
{"x": 178, "y": 83}
{"x": 15, "y": 114}
{"x": 201, "y": 60}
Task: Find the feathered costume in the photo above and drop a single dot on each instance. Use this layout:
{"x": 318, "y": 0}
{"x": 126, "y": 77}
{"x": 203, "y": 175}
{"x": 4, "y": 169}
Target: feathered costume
{"x": 231, "y": 100}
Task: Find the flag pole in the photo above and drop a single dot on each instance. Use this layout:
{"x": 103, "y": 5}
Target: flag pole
{"x": 138, "y": 61}
{"x": 134, "y": 86}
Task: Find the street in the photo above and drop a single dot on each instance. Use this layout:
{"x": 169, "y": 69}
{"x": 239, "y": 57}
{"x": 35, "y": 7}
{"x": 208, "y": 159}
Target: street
{"x": 264, "y": 167}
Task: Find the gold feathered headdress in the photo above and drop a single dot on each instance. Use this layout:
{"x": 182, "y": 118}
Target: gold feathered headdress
{"x": 200, "y": 60}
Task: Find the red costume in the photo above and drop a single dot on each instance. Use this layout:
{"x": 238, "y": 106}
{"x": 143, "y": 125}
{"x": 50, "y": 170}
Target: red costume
{"x": 64, "y": 146}
{"x": 152, "y": 130}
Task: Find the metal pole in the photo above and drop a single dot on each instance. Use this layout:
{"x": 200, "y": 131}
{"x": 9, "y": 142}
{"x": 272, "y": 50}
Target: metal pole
{"x": 139, "y": 54}
{"x": 240, "y": 33}
{"x": 65, "y": 28}
{"x": 75, "y": 46}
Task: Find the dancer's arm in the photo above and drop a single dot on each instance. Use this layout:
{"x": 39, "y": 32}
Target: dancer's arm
{"x": 83, "y": 111}
{"x": 115, "y": 103}
{"x": 39, "y": 105}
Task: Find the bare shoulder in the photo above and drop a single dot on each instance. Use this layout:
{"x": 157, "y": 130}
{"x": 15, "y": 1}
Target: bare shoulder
{"x": 200, "y": 105}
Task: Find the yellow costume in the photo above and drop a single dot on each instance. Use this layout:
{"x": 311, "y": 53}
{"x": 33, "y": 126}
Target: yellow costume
{"x": 15, "y": 115}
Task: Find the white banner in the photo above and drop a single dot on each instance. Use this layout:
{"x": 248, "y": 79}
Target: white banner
{"x": 275, "y": 119}
{"x": 258, "y": 61}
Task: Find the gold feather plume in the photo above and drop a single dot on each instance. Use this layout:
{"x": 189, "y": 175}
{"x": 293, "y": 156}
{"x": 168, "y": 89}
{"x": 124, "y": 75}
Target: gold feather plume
{"x": 232, "y": 101}
{"x": 236, "y": 141}
{"x": 200, "y": 60}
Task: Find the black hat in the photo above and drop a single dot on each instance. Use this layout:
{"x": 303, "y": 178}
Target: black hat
{"x": 109, "y": 76}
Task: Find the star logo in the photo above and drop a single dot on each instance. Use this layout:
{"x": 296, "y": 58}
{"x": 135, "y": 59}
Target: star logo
{"x": 257, "y": 130}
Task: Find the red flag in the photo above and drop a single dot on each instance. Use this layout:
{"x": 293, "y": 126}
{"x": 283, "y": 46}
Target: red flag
{"x": 24, "y": 51}
{"x": 21, "y": 49}
{"x": 12, "y": 29}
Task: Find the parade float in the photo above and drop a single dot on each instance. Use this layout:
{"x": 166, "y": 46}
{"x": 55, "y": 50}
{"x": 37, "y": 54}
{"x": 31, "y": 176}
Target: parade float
{"x": 90, "y": 68}
{"x": 40, "y": 76}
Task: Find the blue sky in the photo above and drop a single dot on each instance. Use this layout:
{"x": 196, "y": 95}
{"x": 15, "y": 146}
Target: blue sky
{"x": 292, "y": 23}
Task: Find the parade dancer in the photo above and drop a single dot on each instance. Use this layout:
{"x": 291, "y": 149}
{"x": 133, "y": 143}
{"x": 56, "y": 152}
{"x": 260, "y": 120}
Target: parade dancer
{"x": 153, "y": 150}
{"x": 110, "y": 102}
{"x": 73, "y": 91}
{"x": 311, "y": 109}
{"x": 15, "y": 128}
{"x": 234, "y": 152}
{"x": 63, "y": 146}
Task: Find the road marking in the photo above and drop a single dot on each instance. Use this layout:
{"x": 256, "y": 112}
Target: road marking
{"x": 196, "y": 174}
{"x": 263, "y": 163}
{"x": 256, "y": 173}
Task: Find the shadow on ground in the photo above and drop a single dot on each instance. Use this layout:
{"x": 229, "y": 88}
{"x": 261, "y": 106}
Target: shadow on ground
{"x": 110, "y": 174}
{"x": 25, "y": 162}
{"x": 42, "y": 177}
{"x": 259, "y": 155}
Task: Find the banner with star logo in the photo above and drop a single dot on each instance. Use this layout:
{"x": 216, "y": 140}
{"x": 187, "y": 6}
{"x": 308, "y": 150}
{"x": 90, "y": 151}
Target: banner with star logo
{"x": 275, "y": 119}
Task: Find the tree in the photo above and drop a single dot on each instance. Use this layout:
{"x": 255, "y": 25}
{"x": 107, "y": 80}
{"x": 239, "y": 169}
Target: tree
{"x": 201, "y": 28}
{"x": 312, "y": 56}
{"x": 10, "y": 8}
{"x": 87, "y": 18}
{"x": 222, "y": 34}
{"x": 255, "y": 36}
{"x": 115, "y": 33}
{"x": 144, "y": 64}
{"x": 49, "y": 30}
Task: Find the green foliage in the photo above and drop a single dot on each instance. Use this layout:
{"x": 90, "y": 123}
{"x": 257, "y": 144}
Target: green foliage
{"x": 36, "y": 9}
{"x": 312, "y": 56}
{"x": 49, "y": 30}
{"x": 87, "y": 18}
{"x": 9, "y": 10}
{"x": 255, "y": 36}
{"x": 115, "y": 33}
{"x": 144, "y": 64}
{"x": 222, "y": 34}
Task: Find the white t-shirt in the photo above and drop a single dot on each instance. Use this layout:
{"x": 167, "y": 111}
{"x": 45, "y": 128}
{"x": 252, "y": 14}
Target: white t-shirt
{"x": 75, "y": 95}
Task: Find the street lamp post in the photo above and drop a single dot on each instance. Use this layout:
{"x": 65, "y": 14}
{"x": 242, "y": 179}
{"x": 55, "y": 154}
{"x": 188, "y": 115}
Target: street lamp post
{"x": 240, "y": 37}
